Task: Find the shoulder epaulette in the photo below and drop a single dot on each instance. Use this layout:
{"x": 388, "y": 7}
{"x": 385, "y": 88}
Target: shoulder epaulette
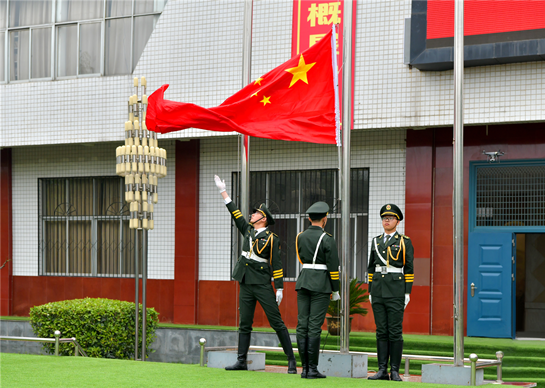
{"x": 380, "y": 236}
{"x": 406, "y": 237}
{"x": 274, "y": 234}
{"x": 329, "y": 234}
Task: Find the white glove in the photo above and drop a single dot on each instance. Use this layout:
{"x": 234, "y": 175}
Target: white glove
{"x": 335, "y": 296}
{"x": 220, "y": 183}
{"x": 279, "y": 296}
{"x": 370, "y": 299}
{"x": 407, "y": 299}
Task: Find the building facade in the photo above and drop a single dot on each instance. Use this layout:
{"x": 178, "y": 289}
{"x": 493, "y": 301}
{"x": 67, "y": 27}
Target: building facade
{"x": 63, "y": 229}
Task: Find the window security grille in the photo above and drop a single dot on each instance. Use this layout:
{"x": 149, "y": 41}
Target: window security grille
{"x": 288, "y": 194}
{"x": 510, "y": 196}
{"x": 84, "y": 228}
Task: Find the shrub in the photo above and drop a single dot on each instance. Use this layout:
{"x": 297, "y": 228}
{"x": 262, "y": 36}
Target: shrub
{"x": 357, "y": 296}
{"x": 103, "y": 327}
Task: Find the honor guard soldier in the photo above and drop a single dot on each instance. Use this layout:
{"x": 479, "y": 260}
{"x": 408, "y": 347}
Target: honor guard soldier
{"x": 391, "y": 275}
{"x": 319, "y": 278}
{"x": 260, "y": 258}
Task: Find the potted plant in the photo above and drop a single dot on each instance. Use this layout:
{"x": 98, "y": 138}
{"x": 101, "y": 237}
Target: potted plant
{"x": 357, "y": 296}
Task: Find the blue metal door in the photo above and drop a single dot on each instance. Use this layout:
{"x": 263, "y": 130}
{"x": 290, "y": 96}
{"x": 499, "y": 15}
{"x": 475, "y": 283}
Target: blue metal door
{"x": 490, "y": 285}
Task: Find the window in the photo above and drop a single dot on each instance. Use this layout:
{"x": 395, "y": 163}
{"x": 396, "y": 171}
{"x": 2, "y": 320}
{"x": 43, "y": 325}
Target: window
{"x": 509, "y": 195}
{"x": 24, "y": 13}
{"x": 118, "y": 52}
{"x": 85, "y": 37}
{"x": 288, "y": 194}
{"x": 82, "y": 38}
{"x": 19, "y": 52}
{"x": 2, "y": 46}
{"x": 74, "y": 10}
{"x": 84, "y": 228}
{"x": 41, "y": 53}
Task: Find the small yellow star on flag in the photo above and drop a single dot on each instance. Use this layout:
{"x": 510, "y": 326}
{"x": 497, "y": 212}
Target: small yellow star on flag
{"x": 255, "y": 94}
{"x": 300, "y": 72}
{"x": 265, "y": 100}
{"x": 258, "y": 81}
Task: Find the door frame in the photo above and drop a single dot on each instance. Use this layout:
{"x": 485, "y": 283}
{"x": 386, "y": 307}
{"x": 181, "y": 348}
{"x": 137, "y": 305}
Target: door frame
{"x": 472, "y": 216}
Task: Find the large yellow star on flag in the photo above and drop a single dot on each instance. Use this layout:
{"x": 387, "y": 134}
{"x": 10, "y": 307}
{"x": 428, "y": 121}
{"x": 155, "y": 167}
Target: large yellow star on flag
{"x": 300, "y": 72}
{"x": 266, "y": 100}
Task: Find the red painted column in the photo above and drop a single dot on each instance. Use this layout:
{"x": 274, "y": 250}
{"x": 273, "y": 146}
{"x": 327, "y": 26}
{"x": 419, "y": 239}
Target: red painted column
{"x": 186, "y": 251}
{"x": 418, "y": 226}
{"x": 6, "y": 230}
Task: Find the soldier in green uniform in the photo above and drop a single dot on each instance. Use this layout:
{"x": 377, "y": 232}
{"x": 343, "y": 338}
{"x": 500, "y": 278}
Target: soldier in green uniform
{"x": 319, "y": 278}
{"x": 260, "y": 258}
{"x": 391, "y": 275}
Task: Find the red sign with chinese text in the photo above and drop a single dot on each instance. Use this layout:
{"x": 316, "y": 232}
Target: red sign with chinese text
{"x": 312, "y": 19}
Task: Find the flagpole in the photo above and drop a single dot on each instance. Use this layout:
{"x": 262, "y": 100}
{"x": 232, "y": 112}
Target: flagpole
{"x": 345, "y": 188}
{"x": 245, "y": 140}
{"x": 458, "y": 183}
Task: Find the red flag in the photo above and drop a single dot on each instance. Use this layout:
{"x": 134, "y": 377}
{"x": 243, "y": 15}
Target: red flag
{"x": 295, "y": 101}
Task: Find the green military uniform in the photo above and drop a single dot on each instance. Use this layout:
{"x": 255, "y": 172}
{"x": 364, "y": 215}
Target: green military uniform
{"x": 260, "y": 258}
{"x": 319, "y": 277}
{"x": 391, "y": 275}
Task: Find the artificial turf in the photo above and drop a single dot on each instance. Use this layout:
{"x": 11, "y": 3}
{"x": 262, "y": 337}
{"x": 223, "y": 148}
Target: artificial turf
{"x": 22, "y": 370}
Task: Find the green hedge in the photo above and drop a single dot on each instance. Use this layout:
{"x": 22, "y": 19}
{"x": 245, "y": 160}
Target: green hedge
{"x": 103, "y": 327}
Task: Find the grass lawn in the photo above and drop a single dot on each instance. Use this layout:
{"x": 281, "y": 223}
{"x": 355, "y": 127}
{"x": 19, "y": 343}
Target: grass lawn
{"x": 21, "y": 370}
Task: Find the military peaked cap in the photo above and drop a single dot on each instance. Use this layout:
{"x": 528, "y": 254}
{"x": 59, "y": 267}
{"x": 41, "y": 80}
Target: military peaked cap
{"x": 265, "y": 211}
{"x": 391, "y": 210}
{"x": 319, "y": 209}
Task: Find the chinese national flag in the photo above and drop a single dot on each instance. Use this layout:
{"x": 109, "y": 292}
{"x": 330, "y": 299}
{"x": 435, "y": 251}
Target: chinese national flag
{"x": 295, "y": 101}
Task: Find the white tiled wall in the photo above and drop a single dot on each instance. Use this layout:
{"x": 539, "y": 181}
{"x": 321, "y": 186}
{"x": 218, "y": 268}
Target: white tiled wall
{"x": 196, "y": 47}
{"x": 383, "y": 152}
{"x": 31, "y": 163}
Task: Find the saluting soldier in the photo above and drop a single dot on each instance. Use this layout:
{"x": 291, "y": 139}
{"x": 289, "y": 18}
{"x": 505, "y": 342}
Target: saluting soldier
{"x": 319, "y": 278}
{"x": 391, "y": 275}
{"x": 259, "y": 259}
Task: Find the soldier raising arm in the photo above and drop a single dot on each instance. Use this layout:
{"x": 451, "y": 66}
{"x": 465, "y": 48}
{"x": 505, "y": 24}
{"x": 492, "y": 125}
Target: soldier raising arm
{"x": 259, "y": 259}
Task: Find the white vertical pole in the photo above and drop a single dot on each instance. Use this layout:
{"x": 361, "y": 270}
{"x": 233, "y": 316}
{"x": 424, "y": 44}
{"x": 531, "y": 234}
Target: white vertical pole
{"x": 345, "y": 174}
{"x": 245, "y": 140}
{"x": 458, "y": 183}
{"x": 136, "y": 303}
{"x": 144, "y": 281}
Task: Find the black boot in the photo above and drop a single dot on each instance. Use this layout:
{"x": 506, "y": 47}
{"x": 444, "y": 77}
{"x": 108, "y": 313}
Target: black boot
{"x": 383, "y": 354}
{"x": 285, "y": 341}
{"x": 302, "y": 346}
{"x": 396, "y": 351}
{"x": 313, "y": 355}
{"x": 243, "y": 346}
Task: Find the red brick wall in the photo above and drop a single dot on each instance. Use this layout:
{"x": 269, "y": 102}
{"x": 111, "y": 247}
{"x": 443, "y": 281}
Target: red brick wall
{"x": 6, "y": 289}
{"x": 186, "y": 251}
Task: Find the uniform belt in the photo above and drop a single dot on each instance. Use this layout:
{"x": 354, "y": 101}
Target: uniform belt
{"x": 315, "y": 266}
{"x": 384, "y": 269}
{"x": 253, "y": 257}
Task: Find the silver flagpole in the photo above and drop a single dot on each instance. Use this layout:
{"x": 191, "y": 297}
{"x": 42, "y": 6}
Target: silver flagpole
{"x": 345, "y": 183}
{"x": 245, "y": 140}
{"x": 137, "y": 279}
{"x": 458, "y": 190}
{"x": 144, "y": 281}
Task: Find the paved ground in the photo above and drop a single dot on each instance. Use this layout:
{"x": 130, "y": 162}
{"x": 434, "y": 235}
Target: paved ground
{"x": 413, "y": 378}
{"x": 284, "y": 369}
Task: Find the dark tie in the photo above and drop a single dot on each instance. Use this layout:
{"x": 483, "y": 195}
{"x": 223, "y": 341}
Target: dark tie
{"x": 387, "y": 239}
